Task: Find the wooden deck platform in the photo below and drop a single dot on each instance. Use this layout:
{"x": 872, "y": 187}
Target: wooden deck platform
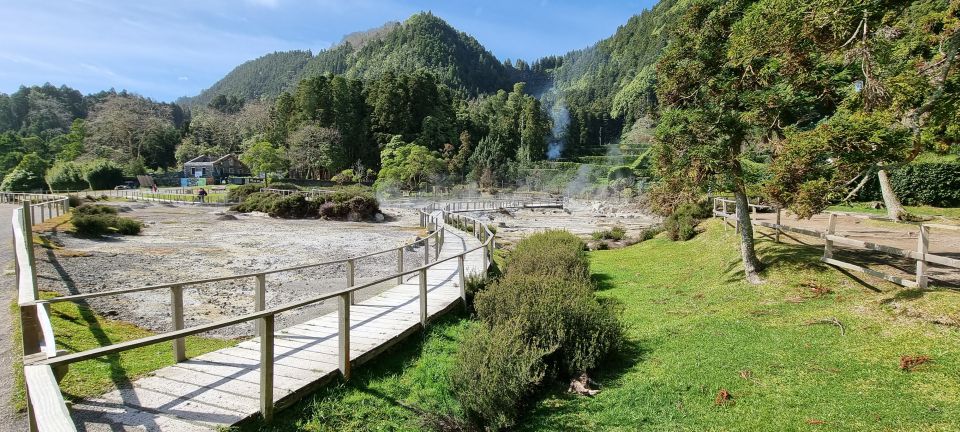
{"x": 222, "y": 387}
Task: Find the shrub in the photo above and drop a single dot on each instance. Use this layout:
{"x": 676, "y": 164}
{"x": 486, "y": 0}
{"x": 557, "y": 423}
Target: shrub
{"x": 681, "y": 224}
{"x": 620, "y": 172}
{"x": 294, "y": 206}
{"x": 103, "y": 174}
{"x": 936, "y": 184}
{"x": 127, "y": 226}
{"x": 541, "y": 318}
{"x": 66, "y": 176}
{"x": 563, "y": 317}
{"x": 649, "y": 233}
{"x": 74, "y": 201}
{"x": 20, "y": 180}
{"x": 96, "y": 220}
{"x": 94, "y": 209}
{"x": 257, "y": 201}
{"x": 551, "y": 253}
{"x": 496, "y": 369}
{"x": 92, "y": 224}
{"x": 343, "y": 177}
{"x": 240, "y": 193}
{"x": 284, "y": 186}
{"x": 616, "y": 233}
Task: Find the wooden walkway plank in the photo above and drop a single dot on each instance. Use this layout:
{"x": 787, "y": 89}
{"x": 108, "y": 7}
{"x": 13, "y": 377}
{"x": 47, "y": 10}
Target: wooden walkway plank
{"x": 222, "y": 387}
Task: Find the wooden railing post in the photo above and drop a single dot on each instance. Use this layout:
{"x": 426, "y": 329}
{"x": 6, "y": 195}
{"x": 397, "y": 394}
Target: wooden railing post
{"x": 343, "y": 316}
{"x": 463, "y": 279}
{"x": 400, "y": 265}
{"x": 827, "y": 243}
{"x": 426, "y": 250}
{"x": 351, "y": 272}
{"x": 266, "y": 368}
{"x": 260, "y": 298}
{"x": 423, "y": 297}
{"x": 436, "y": 245}
{"x": 923, "y": 244}
{"x": 176, "y": 313}
{"x": 777, "y": 238}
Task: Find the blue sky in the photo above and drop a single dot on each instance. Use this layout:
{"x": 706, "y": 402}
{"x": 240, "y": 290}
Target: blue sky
{"x": 172, "y": 48}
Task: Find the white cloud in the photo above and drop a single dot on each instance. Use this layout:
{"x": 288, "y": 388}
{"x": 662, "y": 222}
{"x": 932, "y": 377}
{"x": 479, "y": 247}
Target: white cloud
{"x": 272, "y": 4}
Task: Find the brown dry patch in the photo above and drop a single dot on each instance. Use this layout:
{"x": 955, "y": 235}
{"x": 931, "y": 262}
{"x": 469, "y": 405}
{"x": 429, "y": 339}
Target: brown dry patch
{"x": 816, "y": 422}
{"x": 911, "y": 363}
{"x": 723, "y": 398}
{"x": 71, "y": 253}
{"x": 57, "y": 224}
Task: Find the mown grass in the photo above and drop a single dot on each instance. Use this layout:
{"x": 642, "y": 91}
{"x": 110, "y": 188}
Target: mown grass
{"x": 403, "y": 390}
{"x": 694, "y": 329}
{"x": 946, "y": 212}
{"x": 697, "y": 329}
{"x": 78, "y": 328}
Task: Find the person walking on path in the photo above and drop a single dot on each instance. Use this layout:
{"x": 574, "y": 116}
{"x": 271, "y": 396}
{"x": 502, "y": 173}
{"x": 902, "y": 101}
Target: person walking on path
{"x": 202, "y": 195}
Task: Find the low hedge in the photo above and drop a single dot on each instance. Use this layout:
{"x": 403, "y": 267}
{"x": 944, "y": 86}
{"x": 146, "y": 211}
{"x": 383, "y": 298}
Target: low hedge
{"x": 540, "y": 320}
{"x": 350, "y": 204}
{"x": 551, "y": 254}
{"x": 936, "y": 184}
{"x": 97, "y": 220}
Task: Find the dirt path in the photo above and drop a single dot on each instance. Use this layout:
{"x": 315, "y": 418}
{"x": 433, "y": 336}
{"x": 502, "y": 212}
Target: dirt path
{"x": 10, "y": 420}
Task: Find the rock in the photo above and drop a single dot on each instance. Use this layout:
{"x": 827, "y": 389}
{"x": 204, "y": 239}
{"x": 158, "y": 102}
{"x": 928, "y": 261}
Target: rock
{"x": 226, "y": 217}
{"x": 378, "y": 217}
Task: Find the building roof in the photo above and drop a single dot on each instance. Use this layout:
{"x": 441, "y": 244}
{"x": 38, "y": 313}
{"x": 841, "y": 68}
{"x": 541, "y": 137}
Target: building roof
{"x": 207, "y": 160}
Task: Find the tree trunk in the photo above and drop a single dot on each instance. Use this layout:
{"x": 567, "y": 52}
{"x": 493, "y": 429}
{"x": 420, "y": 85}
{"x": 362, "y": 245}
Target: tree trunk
{"x": 895, "y": 210}
{"x": 751, "y": 265}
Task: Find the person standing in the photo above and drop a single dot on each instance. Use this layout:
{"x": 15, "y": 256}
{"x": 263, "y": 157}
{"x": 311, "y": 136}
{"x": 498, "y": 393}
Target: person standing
{"x": 202, "y": 195}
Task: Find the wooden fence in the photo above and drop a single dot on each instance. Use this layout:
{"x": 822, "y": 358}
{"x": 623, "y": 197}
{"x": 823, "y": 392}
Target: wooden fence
{"x": 44, "y": 366}
{"x": 830, "y": 238}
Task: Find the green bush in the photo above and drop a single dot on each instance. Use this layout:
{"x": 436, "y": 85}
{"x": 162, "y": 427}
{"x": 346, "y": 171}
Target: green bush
{"x": 563, "y": 317}
{"x": 496, "y": 369}
{"x": 127, "y": 226}
{"x": 94, "y": 209}
{"x": 539, "y": 319}
{"x": 96, "y": 220}
{"x": 257, "y": 201}
{"x": 927, "y": 183}
{"x": 92, "y": 224}
{"x": 74, "y": 201}
{"x": 616, "y": 233}
{"x": 240, "y": 193}
{"x": 103, "y": 174}
{"x": 293, "y": 206}
{"x": 66, "y": 176}
{"x": 551, "y": 253}
{"x": 620, "y": 172}
{"x": 681, "y": 224}
{"x": 284, "y": 186}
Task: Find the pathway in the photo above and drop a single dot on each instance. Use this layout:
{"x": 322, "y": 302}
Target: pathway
{"x": 10, "y": 420}
{"x": 222, "y": 387}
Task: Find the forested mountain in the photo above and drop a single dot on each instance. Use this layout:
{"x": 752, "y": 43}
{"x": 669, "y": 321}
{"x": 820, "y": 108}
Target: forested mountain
{"x": 611, "y": 84}
{"x": 423, "y": 42}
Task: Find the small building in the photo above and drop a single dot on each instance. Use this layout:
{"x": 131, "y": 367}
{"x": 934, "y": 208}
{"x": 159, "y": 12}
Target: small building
{"x": 215, "y": 170}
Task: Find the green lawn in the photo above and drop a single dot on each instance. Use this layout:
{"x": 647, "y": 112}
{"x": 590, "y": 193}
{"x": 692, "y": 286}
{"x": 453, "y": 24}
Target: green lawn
{"x": 78, "y": 328}
{"x": 694, "y": 329}
{"x": 947, "y": 212}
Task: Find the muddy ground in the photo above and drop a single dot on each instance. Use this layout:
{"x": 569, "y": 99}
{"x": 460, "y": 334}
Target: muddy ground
{"x": 184, "y": 243}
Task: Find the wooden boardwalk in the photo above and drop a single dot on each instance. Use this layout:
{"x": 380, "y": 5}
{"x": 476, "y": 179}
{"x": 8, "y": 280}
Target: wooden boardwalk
{"x": 223, "y": 387}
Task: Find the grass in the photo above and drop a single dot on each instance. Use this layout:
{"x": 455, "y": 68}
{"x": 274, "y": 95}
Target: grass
{"x": 394, "y": 392}
{"x": 78, "y": 328}
{"x": 946, "y": 212}
{"x": 696, "y": 329}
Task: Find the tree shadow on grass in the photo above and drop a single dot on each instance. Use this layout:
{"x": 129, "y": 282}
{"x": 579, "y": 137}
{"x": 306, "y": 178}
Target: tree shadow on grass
{"x": 601, "y": 281}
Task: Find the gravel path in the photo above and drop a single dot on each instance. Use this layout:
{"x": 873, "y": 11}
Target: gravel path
{"x": 10, "y": 420}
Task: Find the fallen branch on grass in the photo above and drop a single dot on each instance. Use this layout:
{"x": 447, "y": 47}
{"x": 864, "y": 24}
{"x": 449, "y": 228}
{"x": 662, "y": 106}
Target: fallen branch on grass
{"x": 832, "y": 321}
